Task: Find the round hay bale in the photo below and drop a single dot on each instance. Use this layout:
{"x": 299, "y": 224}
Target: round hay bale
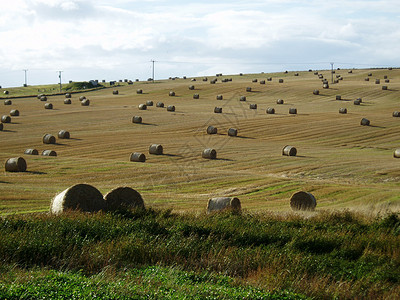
{"x": 137, "y": 119}
{"x": 254, "y": 80}
{"x": 396, "y": 114}
{"x": 366, "y": 79}
{"x": 83, "y": 197}
{"x": 6, "y": 92}
{"x": 193, "y": 79}
{"x": 14, "y": 112}
{"x": 156, "y": 149}
{"x": 67, "y": 95}
{"x": 303, "y": 201}
{"x": 48, "y": 106}
{"x": 15, "y": 164}
{"x": 242, "y": 98}
{"x": 289, "y": 151}
{"x": 160, "y": 104}
{"x": 262, "y": 81}
{"x": 293, "y": 111}
{"x": 253, "y": 106}
{"x": 142, "y": 106}
{"x": 359, "y": 99}
{"x": 218, "y": 110}
{"x": 316, "y": 92}
{"x": 384, "y": 87}
{"x": 338, "y": 97}
{"x": 67, "y": 101}
{"x": 209, "y": 153}
{"x": 219, "y": 97}
{"x": 270, "y": 110}
{"x": 43, "y": 98}
{"x": 85, "y": 102}
{"x": 49, "y": 139}
{"x": 280, "y": 80}
{"x": 196, "y": 96}
{"x": 279, "y": 101}
{"x": 213, "y": 81}
{"x": 387, "y": 80}
{"x": 325, "y": 86}
{"x": 350, "y": 71}
{"x": 149, "y": 103}
{"x": 171, "y": 93}
{"x": 377, "y": 81}
{"x": 269, "y": 79}
{"x": 223, "y": 203}
{"x": 139, "y": 91}
{"x": 115, "y": 92}
{"x": 49, "y": 153}
{"x": 81, "y": 98}
{"x": 5, "y": 119}
{"x": 31, "y": 152}
{"x": 205, "y": 78}
{"x": 123, "y": 198}
{"x": 63, "y": 134}
{"x": 191, "y": 87}
{"x": 396, "y": 153}
{"x": 7, "y": 102}
{"x": 137, "y": 157}
{"x": 342, "y": 110}
{"x": 385, "y": 77}
{"x": 357, "y": 102}
{"x": 1, "y": 126}
{"x": 364, "y": 122}
{"x": 232, "y": 132}
{"x": 296, "y": 74}
{"x": 315, "y": 73}
{"x": 212, "y": 130}
{"x": 248, "y": 89}
{"x": 171, "y": 108}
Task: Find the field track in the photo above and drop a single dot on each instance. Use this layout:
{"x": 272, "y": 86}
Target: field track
{"x": 343, "y": 164}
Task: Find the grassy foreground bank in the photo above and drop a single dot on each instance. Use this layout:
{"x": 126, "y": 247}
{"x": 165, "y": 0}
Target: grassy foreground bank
{"x": 157, "y": 254}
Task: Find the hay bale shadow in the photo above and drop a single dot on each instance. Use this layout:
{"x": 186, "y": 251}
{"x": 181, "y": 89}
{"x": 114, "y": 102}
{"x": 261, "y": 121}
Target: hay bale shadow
{"x": 36, "y": 172}
{"x": 148, "y": 124}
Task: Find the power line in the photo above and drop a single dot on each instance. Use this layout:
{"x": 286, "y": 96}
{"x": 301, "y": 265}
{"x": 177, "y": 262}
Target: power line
{"x": 26, "y": 83}
{"x": 59, "y": 75}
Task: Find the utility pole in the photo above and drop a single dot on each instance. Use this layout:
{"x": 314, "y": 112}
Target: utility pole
{"x": 59, "y": 76}
{"x": 332, "y": 71}
{"x": 26, "y": 84}
{"x": 153, "y": 61}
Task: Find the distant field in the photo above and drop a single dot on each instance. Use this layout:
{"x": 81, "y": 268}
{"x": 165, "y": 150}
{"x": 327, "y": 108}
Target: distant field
{"x": 343, "y": 164}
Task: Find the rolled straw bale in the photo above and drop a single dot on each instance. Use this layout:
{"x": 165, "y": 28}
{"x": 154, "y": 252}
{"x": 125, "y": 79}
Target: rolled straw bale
{"x": 149, "y": 103}
{"x": 254, "y": 80}
{"x": 262, "y": 81}
{"x": 81, "y": 98}
{"x": 67, "y": 95}
{"x": 205, "y": 78}
{"x": 67, "y": 101}
{"x": 315, "y": 73}
{"x": 325, "y": 86}
{"x": 385, "y": 77}
{"x": 342, "y": 110}
{"x": 377, "y": 81}
{"x": 142, "y": 106}
{"x": 242, "y": 98}
{"x": 63, "y": 134}
{"x": 253, "y": 106}
{"x": 219, "y": 97}
{"x": 14, "y": 112}
{"x": 213, "y": 81}
{"x": 137, "y": 157}
{"x": 48, "y": 106}
{"x": 384, "y": 87}
{"x": 270, "y": 110}
{"x": 15, "y": 164}
{"x": 366, "y": 79}
{"x": 5, "y": 119}
{"x": 6, "y": 92}
{"x": 218, "y": 110}
{"x": 209, "y": 153}
{"x": 279, "y": 101}
{"x": 49, "y": 153}
{"x": 170, "y": 108}
{"x": 193, "y": 79}
{"x": 156, "y": 149}
{"x": 359, "y": 99}
{"x": 296, "y": 74}
{"x": 269, "y": 79}
{"x": 212, "y": 130}
{"x": 7, "y": 102}
{"x": 387, "y": 80}
{"x": 396, "y": 114}
{"x": 85, "y": 102}
{"x": 289, "y": 151}
{"x": 320, "y": 76}
{"x": 248, "y": 89}
{"x": 357, "y": 102}
{"x": 160, "y": 104}
{"x": 316, "y": 92}
{"x": 293, "y": 111}
{"x": 115, "y": 92}
{"x": 303, "y": 201}
{"x": 364, "y": 122}
{"x": 43, "y": 98}
{"x": 196, "y": 96}
{"x": 31, "y": 152}
{"x": 171, "y": 93}
{"x": 191, "y": 87}
{"x": 396, "y": 153}
{"x": 280, "y": 80}
{"x": 232, "y": 132}
{"x": 350, "y": 71}
{"x": 139, "y": 91}
{"x": 137, "y": 119}
{"x": 49, "y": 139}
{"x": 223, "y": 203}
{"x": 83, "y": 197}
{"x": 1, "y": 126}
{"x": 338, "y": 97}
{"x": 123, "y": 198}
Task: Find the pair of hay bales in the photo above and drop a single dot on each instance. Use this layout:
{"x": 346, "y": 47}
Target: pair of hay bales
{"x": 51, "y": 139}
{"x": 44, "y": 153}
{"x": 87, "y": 198}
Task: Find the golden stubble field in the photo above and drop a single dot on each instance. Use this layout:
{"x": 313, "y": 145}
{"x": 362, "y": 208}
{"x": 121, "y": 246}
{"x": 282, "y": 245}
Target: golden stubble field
{"x": 343, "y": 164}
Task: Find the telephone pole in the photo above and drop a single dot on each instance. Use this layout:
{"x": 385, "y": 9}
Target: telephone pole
{"x": 26, "y": 84}
{"x": 59, "y": 76}
{"x": 153, "y": 61}
{"x": 332, "y": 71}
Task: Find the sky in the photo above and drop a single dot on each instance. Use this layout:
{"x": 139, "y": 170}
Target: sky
{"x": 113, "y": 40}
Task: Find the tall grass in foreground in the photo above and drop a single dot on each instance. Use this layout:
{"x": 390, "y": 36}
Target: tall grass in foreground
{"x": 342, "y": 255}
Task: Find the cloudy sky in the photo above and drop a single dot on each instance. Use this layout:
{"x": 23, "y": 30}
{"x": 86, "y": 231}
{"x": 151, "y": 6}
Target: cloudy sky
{"x": 116, "y": 39}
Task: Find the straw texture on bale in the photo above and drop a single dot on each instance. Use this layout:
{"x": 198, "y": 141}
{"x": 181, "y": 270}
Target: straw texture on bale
{"x": 242, "y": 98}
{"x": 223, "y": 203}
{"x": 49, "y": 153}
{"x": 67, "y": 95}
{"x": 170, "y": 108}
{"x": 253, "y": 106}
{"x": 219, "y": 97}
{"x": 303, "y": 201}
{"x": 160, "y": 104}
{"x": 63, "y": 134}
{"x": 248, "y": 89}
{"x": 209, "y": 153}
{"x": 212, "y": 130}
{"x": 270, "y": 110}
{"x": 325, "y": 86}
{"x": 123, "y": 198}
{"x": 139, "y": 91}
{"x": 115, "y": 92}
{"x": 365, "y": 122}
{"x": 14, "y": 113}
{"x": 279, "y": 101}
{"x": 316, "y": 92}
{"x": 81, "y": 98}
{"x": 293, "y": 111}
{"x": 137, "y": 119}
{"x": 396, "y": 114}
{"x": 5, "y": 119}
{"x": 31, "y": 152}
{"x": 83, "y": 197}
{"x": 232, "y": 132}
{"x": 396, "y": 153}
{"x": 15, "y": 164}
{"x": 67, "y": 101}
{"x": 196, "y": 96}
{"x": 343, "y": 110}
{"x": 149, "y": 103}
{"x": 156, "y": 149}
{"x": 85, "y": 102}
{"x": 171, "y": 93}
{"x": 137, "y": 157}
{"x": 48, "y": 106}
{"x": 289, "y": 151}
{"x": 218, "y": 110}
{"x": 49, "y": 139}
{"x": 142, "y": 106}
{"x": 280, "y": 80}
{"x": 7, "y": 102}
